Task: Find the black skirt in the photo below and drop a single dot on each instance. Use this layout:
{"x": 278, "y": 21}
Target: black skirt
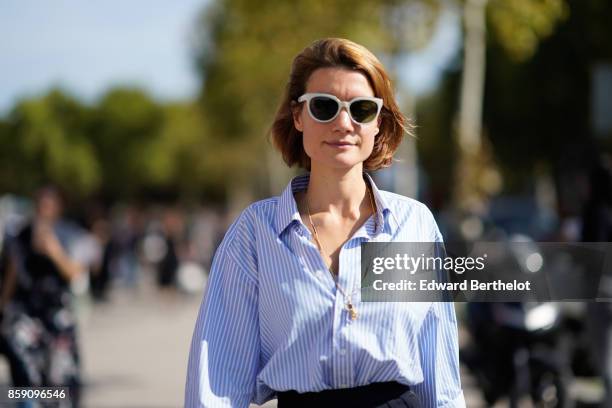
{"x": 377, "y": 395}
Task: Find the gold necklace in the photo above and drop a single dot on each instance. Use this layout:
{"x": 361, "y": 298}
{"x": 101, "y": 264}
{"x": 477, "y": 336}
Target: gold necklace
{"x": 349, "y": 305}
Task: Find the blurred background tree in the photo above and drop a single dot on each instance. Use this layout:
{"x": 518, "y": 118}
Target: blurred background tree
{"x": 124, "y": 130}
{"x": 124, "y": 147}
{"x": 520, "y": 25}
{"x": 45, "y": 140}
{"x": 539, "y": 109}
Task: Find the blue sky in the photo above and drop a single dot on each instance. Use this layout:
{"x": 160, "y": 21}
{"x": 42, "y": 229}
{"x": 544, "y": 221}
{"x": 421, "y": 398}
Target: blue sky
{"x": 87, "y": 47}
{"x": 422, "y": 70}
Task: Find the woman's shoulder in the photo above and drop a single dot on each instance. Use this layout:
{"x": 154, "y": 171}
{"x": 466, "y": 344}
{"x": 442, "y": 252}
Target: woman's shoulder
{"x": 403, "y": 206}
{"x": 260, "y": 210}
{"x": 245, "y": 229}
{"x": 264, "y": 206}
{"x": 414, "y": 219}
{"x": 255, "y": 216}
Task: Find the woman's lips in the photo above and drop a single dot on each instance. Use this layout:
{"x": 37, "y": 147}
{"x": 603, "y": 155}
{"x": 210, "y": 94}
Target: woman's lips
{"x": 340, "y": 144}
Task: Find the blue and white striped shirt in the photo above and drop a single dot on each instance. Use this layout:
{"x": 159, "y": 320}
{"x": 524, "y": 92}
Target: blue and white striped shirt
{"x": 272, "y": 319}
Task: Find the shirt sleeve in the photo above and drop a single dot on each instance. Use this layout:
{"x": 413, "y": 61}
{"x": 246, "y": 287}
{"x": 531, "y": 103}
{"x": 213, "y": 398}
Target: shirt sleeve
{"x": 438, "y": 344}
{"x": 224, "y": 356}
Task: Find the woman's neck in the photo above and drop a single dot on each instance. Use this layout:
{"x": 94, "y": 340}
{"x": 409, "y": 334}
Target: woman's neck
{"x": 339, "y": 192}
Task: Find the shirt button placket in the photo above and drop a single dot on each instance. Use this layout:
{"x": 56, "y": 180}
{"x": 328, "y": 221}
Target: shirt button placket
{"x": 342, "y": 360}
{"x": 336, "y": 359}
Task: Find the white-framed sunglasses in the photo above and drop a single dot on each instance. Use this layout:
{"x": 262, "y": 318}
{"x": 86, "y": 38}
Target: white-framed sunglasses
{"x": 324, "y": 107}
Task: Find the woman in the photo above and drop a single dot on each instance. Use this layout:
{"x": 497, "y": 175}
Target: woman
{"x": 282, "y": 315}
{"x": 39, "y": 329}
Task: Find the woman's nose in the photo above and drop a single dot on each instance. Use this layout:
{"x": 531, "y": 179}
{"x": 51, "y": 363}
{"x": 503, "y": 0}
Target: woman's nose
{"x": 343, "y": 121}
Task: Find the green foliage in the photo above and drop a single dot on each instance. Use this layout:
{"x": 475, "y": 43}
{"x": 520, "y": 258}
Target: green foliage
{"x": 182, "y": 155}
{"x": 538, "y": 111}
{"x": 126, "y": 126}
{"x": 521, "y": 24}
{"x": 124, "y": 146}
{"x": 43, "y": 140}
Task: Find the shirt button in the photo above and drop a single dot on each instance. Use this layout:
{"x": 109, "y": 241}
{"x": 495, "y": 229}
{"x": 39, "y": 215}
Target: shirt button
{"x": 323, "y": 359}
{"x": 342, "y": 352}
{"x": 344, "y": 385}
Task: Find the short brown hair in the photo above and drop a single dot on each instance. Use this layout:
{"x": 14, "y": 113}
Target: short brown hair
{"x": 341, "y": 53}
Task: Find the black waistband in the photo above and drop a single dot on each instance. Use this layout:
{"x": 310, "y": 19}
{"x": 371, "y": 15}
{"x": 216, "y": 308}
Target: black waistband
{"x": 367, "y": 396}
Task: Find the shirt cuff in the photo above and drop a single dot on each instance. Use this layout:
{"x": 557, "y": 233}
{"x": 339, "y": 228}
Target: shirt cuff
{"x": 458, "y": 402}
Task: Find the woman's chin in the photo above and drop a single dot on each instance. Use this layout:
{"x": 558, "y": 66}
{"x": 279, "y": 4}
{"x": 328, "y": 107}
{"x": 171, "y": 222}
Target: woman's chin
{"x": 338, "y": 163}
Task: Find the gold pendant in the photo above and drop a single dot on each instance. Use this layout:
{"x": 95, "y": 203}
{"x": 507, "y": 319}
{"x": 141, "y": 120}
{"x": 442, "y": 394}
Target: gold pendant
{"x": 352, "y": 311}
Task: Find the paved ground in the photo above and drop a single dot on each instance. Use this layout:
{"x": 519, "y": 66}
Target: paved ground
{"x": 135, "y": 349}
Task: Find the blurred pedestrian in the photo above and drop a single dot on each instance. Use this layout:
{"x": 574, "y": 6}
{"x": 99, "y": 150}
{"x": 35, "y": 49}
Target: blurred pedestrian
{"x": 126, "y": 238}
{"x": 100, "y": 271}
{"x": 38, "y": 326}
{"x": 281, "y": 315}
{"x": 172, "y": 234}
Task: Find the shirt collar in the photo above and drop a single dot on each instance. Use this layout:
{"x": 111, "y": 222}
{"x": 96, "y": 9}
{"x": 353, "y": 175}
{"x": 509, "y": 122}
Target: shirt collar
{"x": 287, "y": 212}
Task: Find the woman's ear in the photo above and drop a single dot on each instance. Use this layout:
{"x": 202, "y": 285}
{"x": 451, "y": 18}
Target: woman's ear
{"x": 378, "y": 123}
{"x": 296, "y": 111}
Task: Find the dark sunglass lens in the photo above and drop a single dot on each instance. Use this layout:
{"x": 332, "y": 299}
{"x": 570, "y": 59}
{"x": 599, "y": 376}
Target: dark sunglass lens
{"x": 323, "y": 108}
{"x": 364, "y": 111}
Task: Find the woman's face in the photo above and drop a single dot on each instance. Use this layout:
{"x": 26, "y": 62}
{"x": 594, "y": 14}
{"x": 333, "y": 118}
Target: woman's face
{"x": 341, "y": 143}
